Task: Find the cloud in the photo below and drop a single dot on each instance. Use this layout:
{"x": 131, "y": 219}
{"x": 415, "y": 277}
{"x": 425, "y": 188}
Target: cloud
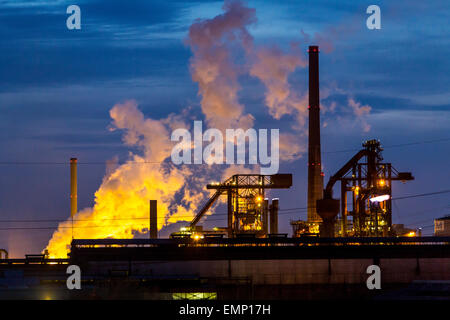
{"x": 212, "y": 67}
{"x": 273, "y": 68}
{"x": 360, "y": 112}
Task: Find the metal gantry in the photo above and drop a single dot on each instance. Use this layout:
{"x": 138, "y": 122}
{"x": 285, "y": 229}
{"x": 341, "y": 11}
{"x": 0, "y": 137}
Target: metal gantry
{"x": 247, "y": 207}
{"x": 369, "y": 180}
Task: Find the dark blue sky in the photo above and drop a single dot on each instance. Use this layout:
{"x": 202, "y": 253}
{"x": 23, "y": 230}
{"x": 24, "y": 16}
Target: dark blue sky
{"x": 57, "y": 86}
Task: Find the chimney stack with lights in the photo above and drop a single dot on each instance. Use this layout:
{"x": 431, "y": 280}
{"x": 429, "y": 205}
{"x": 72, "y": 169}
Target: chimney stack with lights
{"x": 315, "y": 178}
{"x": 73, "y": 187}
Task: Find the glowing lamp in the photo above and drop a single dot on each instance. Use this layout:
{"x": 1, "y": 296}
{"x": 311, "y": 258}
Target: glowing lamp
{"x": 380, "y": 198}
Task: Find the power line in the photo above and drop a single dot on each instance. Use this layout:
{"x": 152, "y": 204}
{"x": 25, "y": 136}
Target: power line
{"x": 82, "y": 163}
{"x": 52, "y": 228}
{"x": 422, "y": 195}
{"x": 429, "y": 226}
{"x": 420, "y": 222}
{"x": 413, "y": 214}
{"x": 160, "y": 162}
{"x": 394, "y": 145}
{"x": 287, "y": 211}
{"x": 290, "y": 210}
{"x": 120, "y": 219}
{"x": 416, "y": 143}
{"x": 102, "y": 226}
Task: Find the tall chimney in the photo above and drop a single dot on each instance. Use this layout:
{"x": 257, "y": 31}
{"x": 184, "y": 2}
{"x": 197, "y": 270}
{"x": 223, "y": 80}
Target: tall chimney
{"x": 315, "y": 178}
{"x": 73, "y": 187}
{"x": 153, "y": 220}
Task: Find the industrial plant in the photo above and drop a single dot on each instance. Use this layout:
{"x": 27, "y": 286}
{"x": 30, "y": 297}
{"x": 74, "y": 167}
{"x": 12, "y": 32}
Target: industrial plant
{"x": 248, "y": 258}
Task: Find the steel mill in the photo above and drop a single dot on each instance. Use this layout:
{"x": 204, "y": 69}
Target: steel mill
{"x": 248, "y": 258}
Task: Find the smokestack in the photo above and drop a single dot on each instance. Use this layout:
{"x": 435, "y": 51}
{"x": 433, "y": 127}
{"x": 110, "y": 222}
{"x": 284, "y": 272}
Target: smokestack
{"x": 315, "y": 178}
{"x": 73, "y": 187}
{"x": 153, "y": 220}
{"x": 274, "y": 216}
{"x": 266, "y": 216}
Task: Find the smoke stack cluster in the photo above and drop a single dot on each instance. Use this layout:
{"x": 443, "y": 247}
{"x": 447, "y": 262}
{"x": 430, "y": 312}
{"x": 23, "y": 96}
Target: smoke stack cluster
{"x": 315, "y": 178}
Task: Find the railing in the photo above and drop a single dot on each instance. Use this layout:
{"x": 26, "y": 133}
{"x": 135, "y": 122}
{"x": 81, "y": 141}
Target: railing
{"x": 33, "y": 261}
{"x": 271, "y": 241}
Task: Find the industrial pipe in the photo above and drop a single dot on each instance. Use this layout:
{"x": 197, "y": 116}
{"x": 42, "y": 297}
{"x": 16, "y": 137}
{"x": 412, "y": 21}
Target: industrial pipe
{"x": 274, "y": 216}
{"x": 153, "y": 219}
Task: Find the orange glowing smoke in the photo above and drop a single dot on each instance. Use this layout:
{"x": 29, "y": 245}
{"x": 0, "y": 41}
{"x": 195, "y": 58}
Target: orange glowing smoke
{"x": 122, "y": 201}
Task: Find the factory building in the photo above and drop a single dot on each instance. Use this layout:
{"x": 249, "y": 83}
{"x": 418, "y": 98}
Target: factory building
{"x": 365, "y": 180}
{"x": 442, "y": 226}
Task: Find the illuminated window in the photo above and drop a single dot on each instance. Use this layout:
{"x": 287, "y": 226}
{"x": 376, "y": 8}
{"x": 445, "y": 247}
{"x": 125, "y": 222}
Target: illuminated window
{"x": 194, "y": 296}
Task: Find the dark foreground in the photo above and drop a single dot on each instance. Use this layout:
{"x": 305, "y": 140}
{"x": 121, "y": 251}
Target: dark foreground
{"x": 237, "y": 269}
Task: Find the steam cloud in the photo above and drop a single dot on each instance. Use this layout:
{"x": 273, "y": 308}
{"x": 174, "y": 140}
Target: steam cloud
{"x": 121, "y": 203}
{"x": 360, "y": 111}
{"x": 212, "y": 66}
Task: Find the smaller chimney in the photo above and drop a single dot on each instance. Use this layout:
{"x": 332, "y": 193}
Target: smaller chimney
{"x": 73, "y": 187}
{"x": 153, "y": 220}
{"x": 266, "y": 216}
{"x": 274, "y": 216}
